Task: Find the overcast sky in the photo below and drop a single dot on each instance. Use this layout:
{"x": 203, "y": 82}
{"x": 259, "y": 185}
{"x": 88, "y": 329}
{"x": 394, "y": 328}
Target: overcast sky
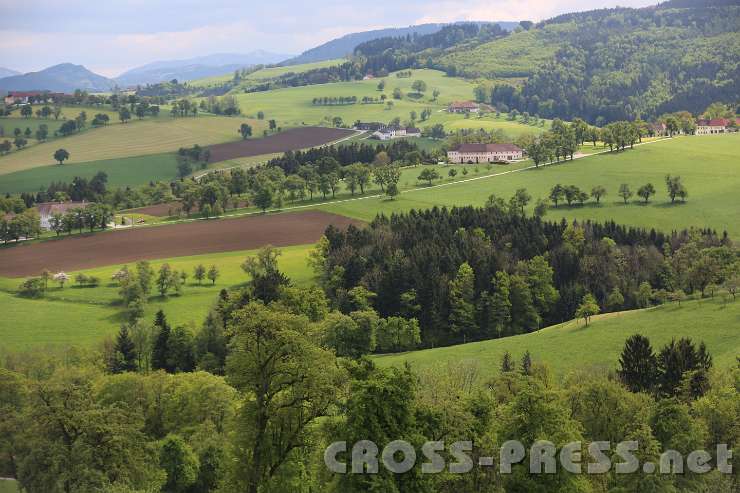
{"x": 111, "y": 36}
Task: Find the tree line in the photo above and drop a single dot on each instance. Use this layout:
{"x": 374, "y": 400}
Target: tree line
{"x": 471, "y": 274}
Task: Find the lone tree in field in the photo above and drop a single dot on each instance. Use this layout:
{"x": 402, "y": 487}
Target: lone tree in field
{"x": 625, "y": 192}
{"x": 245, "y": 130}
{"x": 61, "y": 278}
{"x": 419, "y": 86}
{"x": 429, "y": 175}
{"x": 597, "y": 192}
{"x": 646, "y": 191}
{"x": 61, "y": 155}
{"x": 588, "y": 308}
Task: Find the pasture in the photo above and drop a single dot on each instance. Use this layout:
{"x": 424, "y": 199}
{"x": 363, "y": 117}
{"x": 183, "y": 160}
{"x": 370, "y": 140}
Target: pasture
{"x": 708, "y": 166}
{"x": 572, "y": 346}
{"x": 82, "y": 316}
{"x": 265, "y": 73}
{"x": 127, "y": 171}
{"x": 135, "y": 138}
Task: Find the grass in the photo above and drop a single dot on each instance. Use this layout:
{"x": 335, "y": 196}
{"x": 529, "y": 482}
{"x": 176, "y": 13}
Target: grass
{"x": 8, "y": 486}
{"x": 128, "y": 171}
{"x": 708, "y": 166}
{"x": 136, "y": 138}
{"x": 85, "y": 315}
{"x": 265, "y": 73}
{"x": 570, "y": 346}
{"x": 293, "y": 106}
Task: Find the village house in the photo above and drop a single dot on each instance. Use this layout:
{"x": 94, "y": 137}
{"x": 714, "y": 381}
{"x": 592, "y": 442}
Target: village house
{"x": 658, "y": 129}
{"x": 48, "y": 209}
{"x": 463, "y": 107}
{"x": 484, "y": 153}
{"x": 716, "y": 126}
{"x": 18, "y": 97}
{"x": 388, "y": 133}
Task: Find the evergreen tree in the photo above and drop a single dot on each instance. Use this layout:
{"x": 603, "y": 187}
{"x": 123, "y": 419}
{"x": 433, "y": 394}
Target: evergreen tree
{"x": 637, "y": 364}
{"x": 124, "y": 355}
{"x": 526, "y": 366}
{"x": 160, "y": 349}
{"x": 507, "y": 363}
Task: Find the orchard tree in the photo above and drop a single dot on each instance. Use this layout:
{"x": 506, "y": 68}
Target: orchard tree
{"x": 625, "y": 192}
{"x": 245, "y": 130}
{"x": 588, "y": 308}
{"x": 199, "y": 273}
{"x": 597, "y": 192}
{"x": 675, "y": 188}
{"x": 646, "y": 191}
{"x": 213, "y": 274}
{"x": 429, "y": 175}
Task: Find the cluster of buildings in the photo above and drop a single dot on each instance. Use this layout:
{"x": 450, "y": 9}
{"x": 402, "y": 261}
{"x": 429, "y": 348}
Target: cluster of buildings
{"x": 381, "y": 131}
{"x": 717, "y": 126}
{"x": 25, "y": 97}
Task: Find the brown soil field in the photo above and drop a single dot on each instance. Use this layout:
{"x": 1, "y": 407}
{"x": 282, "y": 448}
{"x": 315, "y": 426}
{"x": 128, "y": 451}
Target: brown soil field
{"x": 148, "y": 243}
{"x": 290, "y": 140}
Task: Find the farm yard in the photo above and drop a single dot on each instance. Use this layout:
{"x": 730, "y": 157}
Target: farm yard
{"x": 289, "y": 140}
{"x": 190, "y": 238}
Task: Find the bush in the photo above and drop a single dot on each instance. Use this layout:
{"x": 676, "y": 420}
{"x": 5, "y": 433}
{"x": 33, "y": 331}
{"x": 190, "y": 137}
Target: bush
{"x": 32, "y": 288}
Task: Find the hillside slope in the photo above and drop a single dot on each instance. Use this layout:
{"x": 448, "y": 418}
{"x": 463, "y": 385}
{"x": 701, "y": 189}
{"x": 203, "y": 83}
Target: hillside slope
{"x": 572, "y": 346}
{"x": 612, "y": 64}
{"x": 65, "y": 77}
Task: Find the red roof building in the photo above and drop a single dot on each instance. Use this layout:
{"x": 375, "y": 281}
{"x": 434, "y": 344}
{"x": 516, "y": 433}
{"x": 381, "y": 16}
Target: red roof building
{"x": 463, "y": 107}
{"x": 485, "y": 153}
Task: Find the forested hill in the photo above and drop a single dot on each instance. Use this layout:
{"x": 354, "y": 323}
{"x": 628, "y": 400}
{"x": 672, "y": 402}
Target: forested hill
{"x": 611, "y": 64}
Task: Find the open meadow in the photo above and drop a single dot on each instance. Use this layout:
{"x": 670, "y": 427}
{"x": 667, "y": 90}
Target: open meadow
{"x": 135, "y": 138}
{"x": 572, "y": 346}
{"x": 708, "y": 166}
{"x": 266, "y": 73}
{"x": 83, "y": 316}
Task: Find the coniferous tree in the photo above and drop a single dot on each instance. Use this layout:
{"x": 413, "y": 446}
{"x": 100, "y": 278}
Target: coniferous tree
{"x": 161, "y": 343}
{"x": 124, "y": 356}
{"x": 507, "y": 363}
{"x": 638, "y": 364}
{"x": 462, "y": 308}
{"x": 526, "y": 366}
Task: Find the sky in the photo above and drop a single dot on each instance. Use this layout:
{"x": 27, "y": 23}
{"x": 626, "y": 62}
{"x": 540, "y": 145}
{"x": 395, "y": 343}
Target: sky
{"x": 111, "y": 36}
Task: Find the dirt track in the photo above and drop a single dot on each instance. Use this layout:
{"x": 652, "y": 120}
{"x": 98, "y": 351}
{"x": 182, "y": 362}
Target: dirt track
{"x": 290, "y": 140}
{"x": 193, "y": 238}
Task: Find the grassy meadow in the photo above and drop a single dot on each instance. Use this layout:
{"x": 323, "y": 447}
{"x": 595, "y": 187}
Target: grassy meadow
{"x": 265, "y": 73}
{"x": 135, "y": 138}
{"x": 84, "y": 315}
{"x": 571, "y": 346}
{"x": 127, "y": 171}
{"x": 708, "y": 166}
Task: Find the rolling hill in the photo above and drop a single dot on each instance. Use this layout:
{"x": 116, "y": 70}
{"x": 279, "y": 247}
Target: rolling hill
{"x": 6, "y": 72}
{"x": 572, "y": 346}
{"x": 65, "y": 77}
{"x": 196, "y": 68}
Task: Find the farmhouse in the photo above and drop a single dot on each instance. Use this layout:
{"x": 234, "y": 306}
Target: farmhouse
{"x": 658, "y": 129}
{"x": 48, "y": 209}
{"x": 17, "y": 97}
{"x": 388, "y": 133}
{"x": 463, "y": 107}
{"x": 716, "y": 126}
{"x": 484, "y": 153}
{"x": 373, "y": 126}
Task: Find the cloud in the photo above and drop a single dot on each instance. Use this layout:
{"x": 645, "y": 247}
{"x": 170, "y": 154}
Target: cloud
{"x": 113, "y": 35}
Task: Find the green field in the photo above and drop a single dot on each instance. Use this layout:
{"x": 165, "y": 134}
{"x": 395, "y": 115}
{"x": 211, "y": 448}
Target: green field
{"x": 7, "y": 486}
{"x": 84, "y": 315}
{"x": 572, "y": 346}
{"x": 708, "y": 166}
{"x": 132, "y": 139}
{"x": 265, "y": 73}
{"x": 293, "y": 106}
{"x": 128, "y": 171}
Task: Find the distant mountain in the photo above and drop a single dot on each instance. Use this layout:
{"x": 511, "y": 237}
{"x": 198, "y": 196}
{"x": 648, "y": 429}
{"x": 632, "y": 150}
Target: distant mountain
{"x": 6, "y": 72}
{"x": 65, "y": 77}
{"x": 345, "y": 45}
{"x": 196, "y": 68}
